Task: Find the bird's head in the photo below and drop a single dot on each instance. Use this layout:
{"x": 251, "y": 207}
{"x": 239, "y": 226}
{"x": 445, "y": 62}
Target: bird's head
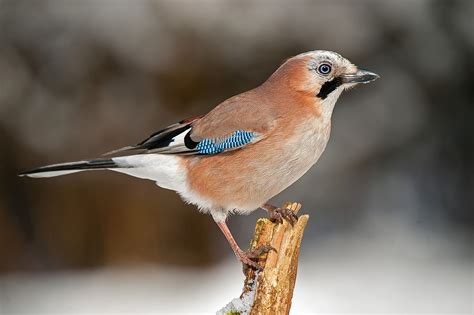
{"x": 321, "y": 75}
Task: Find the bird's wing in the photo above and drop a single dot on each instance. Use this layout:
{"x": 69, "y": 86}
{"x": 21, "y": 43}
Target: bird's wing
{"x": 231, "y": 125}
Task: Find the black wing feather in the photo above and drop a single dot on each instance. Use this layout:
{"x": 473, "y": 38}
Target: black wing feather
{"x": 163, "y": 138}
{"x": 177, "y": 139}
{"x": 161, "y": 141}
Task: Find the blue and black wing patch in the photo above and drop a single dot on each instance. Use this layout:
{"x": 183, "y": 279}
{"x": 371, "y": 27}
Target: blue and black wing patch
{"x": 236, "y": 140}
{"x": 176, "y": 139}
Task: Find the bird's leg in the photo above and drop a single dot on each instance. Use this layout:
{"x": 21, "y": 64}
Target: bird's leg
{"x": 278, "y": 214}
{"x": 247, "y": 258}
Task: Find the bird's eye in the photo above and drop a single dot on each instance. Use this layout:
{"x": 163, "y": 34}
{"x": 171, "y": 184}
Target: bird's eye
{"x": 324, "y": 68}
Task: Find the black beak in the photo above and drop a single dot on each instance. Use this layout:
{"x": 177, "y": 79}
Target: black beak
{"x": 361, "y": 76}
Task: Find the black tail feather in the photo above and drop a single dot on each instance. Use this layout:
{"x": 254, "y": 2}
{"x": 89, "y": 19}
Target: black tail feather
{"x": 73, "y": 166}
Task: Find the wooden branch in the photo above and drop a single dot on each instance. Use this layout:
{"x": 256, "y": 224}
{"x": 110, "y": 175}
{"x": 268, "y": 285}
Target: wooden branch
{"x": 270, "y": 291}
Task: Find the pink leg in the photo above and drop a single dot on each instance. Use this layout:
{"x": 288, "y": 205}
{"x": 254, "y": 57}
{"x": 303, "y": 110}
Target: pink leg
{"x": 245, "y": 258}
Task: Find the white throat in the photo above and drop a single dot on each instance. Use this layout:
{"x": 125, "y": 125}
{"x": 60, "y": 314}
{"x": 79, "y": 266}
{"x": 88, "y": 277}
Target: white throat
{"x": 327, "y": 105}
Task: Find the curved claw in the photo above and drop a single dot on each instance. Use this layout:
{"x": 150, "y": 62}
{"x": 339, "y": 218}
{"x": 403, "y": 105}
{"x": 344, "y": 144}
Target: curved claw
{"x": 249, "y": 263}
{"x": 262, "y": 249}
{"x": 276, "y": 217}
{"x": 278, "y": 214}
{"x": 249, "y": 259}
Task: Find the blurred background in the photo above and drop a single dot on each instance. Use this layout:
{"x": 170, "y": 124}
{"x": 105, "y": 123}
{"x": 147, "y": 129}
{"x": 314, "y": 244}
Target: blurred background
{"x": 390, "y": 201}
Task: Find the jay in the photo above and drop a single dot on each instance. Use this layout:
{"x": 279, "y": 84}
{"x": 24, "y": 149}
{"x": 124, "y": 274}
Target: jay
{"x": 247, "y": 149}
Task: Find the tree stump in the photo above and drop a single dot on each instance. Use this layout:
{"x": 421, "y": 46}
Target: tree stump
{"x": 270, "y": 291}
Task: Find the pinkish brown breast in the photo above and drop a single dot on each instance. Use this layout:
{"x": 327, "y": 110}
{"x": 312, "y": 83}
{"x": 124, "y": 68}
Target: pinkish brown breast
{"x": 245, "y": 179}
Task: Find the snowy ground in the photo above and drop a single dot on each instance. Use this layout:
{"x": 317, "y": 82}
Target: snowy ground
{"x": 400, "y": 273}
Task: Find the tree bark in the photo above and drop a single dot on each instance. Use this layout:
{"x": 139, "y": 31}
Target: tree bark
{"x": 270, "y": 291}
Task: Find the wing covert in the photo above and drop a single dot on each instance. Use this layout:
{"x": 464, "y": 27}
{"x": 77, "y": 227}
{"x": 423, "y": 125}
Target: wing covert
{"x": 177, "y": 139}
{"x": 236, "y": 140}
{"x": 239, "y": 121}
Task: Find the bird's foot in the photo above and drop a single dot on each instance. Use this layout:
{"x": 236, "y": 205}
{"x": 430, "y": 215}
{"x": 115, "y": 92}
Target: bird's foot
{"x": 278, "y": 214}
{"x": 250, "y": 258}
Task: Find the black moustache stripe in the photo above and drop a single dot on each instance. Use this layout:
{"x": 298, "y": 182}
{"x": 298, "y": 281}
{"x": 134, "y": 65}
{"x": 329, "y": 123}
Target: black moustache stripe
{"x": 329, "y": 87}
